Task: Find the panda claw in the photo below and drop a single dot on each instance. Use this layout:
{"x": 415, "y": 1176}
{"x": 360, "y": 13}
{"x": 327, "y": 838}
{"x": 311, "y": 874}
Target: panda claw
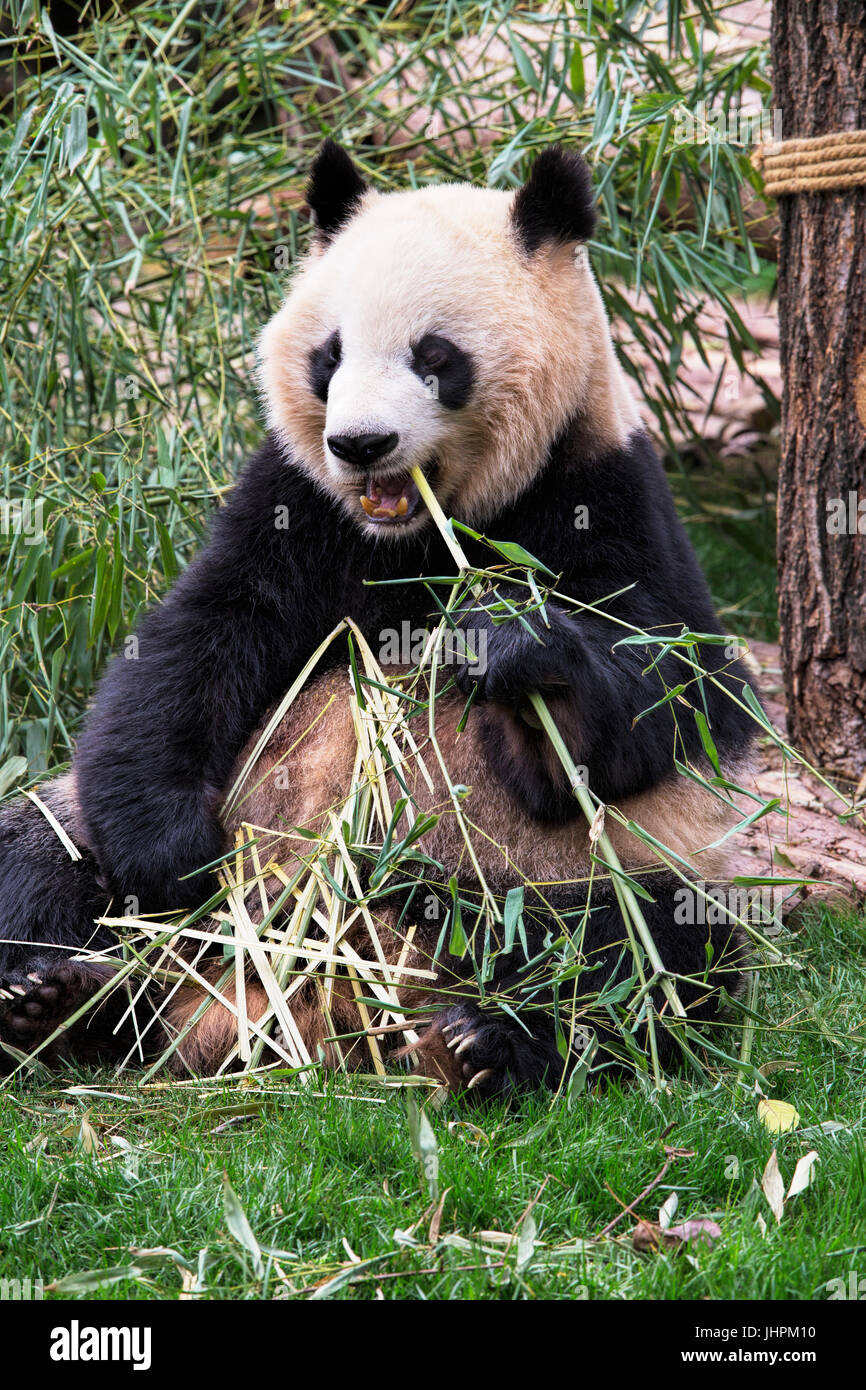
{"x": 5, "y": 995}
{"x": 465, "y": 1042}
{"x": 449, "y": 1028}
{"x": 37, "y": 979}
{"x": 479, "y": 1077}
{"x": 18, "y": 989}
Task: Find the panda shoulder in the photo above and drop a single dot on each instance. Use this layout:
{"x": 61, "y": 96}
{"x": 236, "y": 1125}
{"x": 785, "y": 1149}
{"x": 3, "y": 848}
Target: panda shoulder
{"x": 274, "y": 502}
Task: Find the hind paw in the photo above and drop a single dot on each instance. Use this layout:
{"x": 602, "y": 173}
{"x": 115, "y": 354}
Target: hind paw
{"x": 486, "y": 1054}
{"x": 32, "y": 1006}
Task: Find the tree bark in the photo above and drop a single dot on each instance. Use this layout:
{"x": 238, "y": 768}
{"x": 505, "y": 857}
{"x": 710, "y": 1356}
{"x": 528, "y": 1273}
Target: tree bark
{"x": 819, "y": 76}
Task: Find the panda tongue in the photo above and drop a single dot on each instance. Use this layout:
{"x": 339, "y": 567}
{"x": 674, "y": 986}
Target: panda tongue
{"x": 391, "y": 492}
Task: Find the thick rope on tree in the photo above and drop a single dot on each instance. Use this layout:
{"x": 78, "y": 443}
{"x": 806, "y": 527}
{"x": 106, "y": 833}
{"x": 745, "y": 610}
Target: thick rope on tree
{"x": 813, "y": 164}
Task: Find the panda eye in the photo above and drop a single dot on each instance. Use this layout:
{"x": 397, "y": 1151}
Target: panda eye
{"x": 434, "y": 360}
{"x": 432, "y": 354}
{"x": 324, "y": 361}
{"x": 452, "y": 369}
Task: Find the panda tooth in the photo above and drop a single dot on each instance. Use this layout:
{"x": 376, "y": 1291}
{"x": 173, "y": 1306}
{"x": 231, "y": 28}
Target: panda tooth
{"x": 369, "y": 507}
{"x": 384, "y": 511}
{"x": 403, "y": 506}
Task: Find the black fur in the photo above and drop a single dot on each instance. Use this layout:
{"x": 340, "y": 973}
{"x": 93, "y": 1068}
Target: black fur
{"x": 45, "y": 896}
{"x": 324, "y": 361}
{"x": 556, "y": 204}
{"x": 450, "y": 367}
{"x": 334, "y": 190}
{"x": 105, "y": 1032}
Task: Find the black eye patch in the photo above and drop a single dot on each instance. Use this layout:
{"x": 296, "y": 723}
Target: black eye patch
{"x": 324, "y": 361}
{"x": 449, "y": 367}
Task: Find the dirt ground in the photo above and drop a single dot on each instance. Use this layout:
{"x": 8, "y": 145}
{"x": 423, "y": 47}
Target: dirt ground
{"x": 806, "y": 836}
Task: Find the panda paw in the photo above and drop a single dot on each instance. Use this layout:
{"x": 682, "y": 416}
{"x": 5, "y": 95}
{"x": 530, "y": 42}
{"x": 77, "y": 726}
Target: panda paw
{"x": 506, "y": 661}
{"x": 486, "y": 1055}
{"x": 33, "y": 1005}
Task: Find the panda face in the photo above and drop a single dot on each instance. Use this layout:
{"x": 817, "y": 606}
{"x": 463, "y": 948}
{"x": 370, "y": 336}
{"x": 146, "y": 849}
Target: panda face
{"x": 375, "y": 449}
{"x": 444, "y": 328}
{"x": 387, "y": 412}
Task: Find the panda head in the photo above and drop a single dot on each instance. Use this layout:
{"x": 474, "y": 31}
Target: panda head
{"x": 450, "y": 327}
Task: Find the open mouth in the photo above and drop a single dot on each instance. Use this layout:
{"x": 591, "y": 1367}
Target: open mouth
{"x": 393, "y": 500}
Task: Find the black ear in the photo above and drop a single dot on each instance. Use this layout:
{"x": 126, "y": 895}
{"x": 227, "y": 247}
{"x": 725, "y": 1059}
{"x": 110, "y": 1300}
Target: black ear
{"x": 556, "y": 204}
{"x": 334, "y": 190}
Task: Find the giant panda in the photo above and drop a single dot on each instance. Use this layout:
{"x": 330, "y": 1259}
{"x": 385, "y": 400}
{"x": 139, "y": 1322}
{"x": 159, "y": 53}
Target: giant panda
{"x": 457, "y": 329}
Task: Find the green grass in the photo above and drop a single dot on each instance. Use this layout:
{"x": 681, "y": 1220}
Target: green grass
{"x": 316, "y": 1172}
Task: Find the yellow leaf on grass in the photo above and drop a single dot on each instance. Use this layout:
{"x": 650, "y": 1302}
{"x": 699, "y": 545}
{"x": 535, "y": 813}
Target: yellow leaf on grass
{"x": 778, "y": 1115}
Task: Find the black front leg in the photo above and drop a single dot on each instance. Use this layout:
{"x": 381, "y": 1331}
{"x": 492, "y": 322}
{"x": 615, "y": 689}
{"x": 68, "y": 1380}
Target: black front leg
{"x": 173, "y": 712}
{"x": 508, "y": 656}
{"x": 165, "y": 729}
{"x": 282, "y": 567}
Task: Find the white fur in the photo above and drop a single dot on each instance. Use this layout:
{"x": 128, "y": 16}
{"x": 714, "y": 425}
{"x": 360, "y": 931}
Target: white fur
{"x": 444, "y": 260}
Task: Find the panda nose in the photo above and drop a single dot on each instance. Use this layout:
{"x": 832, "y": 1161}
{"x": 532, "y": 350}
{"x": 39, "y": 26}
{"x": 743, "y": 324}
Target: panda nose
{"x": 361, "y": 449}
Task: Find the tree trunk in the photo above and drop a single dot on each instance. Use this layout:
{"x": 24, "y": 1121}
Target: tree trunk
{"x": 819, "y": 75}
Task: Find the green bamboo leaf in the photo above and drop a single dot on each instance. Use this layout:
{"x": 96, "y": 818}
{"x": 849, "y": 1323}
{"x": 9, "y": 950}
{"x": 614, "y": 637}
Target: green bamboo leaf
{"x": 577, "y": 76}
{"x": 89, "y": 1280}
{"x": 523, "y": 63}
{"x": 11, "y": 772}
{"x": 167, "y": 554}
{"x": 74, "y": 148}
{"x": 457, "y": 944}
{"x": 751, "y": 699}
{"x": 756, "y": 815}
{"x": 509, "y": 550}
{"x": 665, "y": 700}
{"x": 513, "y": 919}
{"x": 707, "y": 739}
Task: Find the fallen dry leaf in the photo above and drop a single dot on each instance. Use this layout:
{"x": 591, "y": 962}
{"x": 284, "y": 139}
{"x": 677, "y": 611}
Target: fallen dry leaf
{"x": 436, "y": 1219}
{"x": 773, "y": 1187}
{"x": 649, "y": 1236}
{"x": 668, "y": 1211}
{"x": 804, "y": 1173}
